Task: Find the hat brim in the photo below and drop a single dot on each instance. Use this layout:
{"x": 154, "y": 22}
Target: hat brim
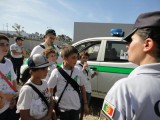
{"x": 44, "y": 65}
{"x": 128, "y": 37}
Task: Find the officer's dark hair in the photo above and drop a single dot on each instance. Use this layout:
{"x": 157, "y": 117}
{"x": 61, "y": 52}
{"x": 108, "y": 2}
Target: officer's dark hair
{"x": 4, "y": 37}
{"x": 153, "y": 33}
{"x": 68, "y": 50}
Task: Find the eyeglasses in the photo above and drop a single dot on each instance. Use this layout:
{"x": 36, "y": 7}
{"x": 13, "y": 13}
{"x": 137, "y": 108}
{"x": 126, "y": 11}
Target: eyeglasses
{"x": 3, "y": 45}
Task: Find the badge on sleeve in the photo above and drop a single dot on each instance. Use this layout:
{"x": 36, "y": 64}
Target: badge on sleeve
{"x": 103, "y": 116}
{"x": 108, "y": 109}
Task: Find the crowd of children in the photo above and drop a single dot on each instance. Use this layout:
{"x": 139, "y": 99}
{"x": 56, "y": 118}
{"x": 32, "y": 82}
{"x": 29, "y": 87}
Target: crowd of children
{"x": 69, "y": 82}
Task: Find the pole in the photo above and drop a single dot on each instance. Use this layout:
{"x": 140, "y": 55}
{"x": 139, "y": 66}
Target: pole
{"x": 7, "y": 27}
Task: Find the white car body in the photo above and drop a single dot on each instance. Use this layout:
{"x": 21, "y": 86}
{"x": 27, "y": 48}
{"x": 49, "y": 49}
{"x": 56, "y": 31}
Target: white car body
{"x": 110, "y": 66}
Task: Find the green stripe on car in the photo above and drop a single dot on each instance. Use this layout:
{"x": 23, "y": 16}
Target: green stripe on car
{"x": 109, "y": 69}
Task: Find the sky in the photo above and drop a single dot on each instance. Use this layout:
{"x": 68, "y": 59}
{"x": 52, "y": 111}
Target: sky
{"x": 60, "y": 15}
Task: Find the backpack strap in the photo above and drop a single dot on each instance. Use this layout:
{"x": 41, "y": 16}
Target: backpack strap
{"x": 71, "y": 81}
{"x": 8, "y": 82}
{"x": 63, "y": 90}
{"x": 39, "y": 93}
{"x": 84, "y": 69}
{"x": 42, "y": 46}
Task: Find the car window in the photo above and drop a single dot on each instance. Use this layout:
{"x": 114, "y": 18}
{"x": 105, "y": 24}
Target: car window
{"x": 116, "y": 52}
{"x": 83, "y": 46}
{"x": 91, "y": 47}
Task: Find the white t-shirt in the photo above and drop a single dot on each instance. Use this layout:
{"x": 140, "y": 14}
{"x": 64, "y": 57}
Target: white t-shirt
{"x": 50, "y": 69}
{"x": 17, "y": 48}
{"x": 70, "y": 99}
{"x": 136, "y": 97}
{"x": 87, "y": 72}
{"x": 39, "y": 50}
{"x": 27, "y": 95}
{"x": 7, "y": 69}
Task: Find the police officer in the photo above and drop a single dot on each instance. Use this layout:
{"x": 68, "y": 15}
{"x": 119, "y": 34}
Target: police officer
{"x": 137, "y": 97}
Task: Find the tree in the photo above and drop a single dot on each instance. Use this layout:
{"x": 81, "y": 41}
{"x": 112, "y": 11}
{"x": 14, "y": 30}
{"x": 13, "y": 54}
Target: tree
{"x": 18, "y": 28}
{"x": 65, "y": 39}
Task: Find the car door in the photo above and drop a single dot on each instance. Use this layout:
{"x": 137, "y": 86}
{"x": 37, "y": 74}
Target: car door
{"x": 93, "y": 48}
{"x": 114, "y": 65}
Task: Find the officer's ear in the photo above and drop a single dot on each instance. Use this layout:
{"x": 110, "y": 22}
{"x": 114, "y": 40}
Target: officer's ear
{"x": 148, "y": 45}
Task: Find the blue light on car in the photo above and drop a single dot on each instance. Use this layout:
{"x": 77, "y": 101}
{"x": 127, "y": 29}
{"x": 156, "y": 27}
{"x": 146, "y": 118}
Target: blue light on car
{"x": 116, "y": 32}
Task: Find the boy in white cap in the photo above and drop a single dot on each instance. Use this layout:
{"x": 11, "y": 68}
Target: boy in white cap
{"x": 137, "y": 97}
{"x": 30, "y": 104}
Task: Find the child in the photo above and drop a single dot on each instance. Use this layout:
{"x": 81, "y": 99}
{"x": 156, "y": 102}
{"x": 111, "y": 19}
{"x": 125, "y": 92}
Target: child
{"x": 49, "y": 38}
{"x": 30, "y": 104}
{"x": 83, "y": 66}
{"x": 70, "y": 103}
{"x": 7, "y": 100}
{"x": 51, "y": 55}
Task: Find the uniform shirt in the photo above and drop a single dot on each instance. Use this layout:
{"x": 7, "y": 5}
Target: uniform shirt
{"x": 17, "y": 48}
{"x": 27, "y": 94}
{"x": 7, "y": 69}
{"x": 39, "y": 50}
{"x": 70, "y": 99}
{"x": 136, "y": 97}
{"x": 87, "y": 73}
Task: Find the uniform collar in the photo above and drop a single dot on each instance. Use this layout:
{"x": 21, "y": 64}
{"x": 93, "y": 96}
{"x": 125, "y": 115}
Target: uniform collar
{"x": 146, "y": 69}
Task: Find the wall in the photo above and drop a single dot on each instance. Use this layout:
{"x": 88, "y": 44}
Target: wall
{"x": 28, "y": 44}
{"x": 83, "y": 30}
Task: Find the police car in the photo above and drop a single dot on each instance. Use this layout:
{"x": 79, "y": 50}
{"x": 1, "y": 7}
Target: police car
{"x": 108, "y": 57}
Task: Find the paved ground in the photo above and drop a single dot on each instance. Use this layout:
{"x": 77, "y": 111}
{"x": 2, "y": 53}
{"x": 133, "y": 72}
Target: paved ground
{"x": 95, "y": 109}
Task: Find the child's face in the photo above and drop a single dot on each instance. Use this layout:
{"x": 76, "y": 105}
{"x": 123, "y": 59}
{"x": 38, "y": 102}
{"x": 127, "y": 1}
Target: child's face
{"x": 52, "y": 57}
{"x": 83, "y": 58}
{"x": 71, "y": 60}
{"x": 50, "y": 38}
{"x": 19, "y": 42}
{"x": 4, "y": 47}
{"x": 43, "y": 72}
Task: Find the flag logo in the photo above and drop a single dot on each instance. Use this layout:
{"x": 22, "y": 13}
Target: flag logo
{"x": 108, "y": 109}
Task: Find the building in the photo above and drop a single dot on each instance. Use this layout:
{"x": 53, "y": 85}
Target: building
{"x": 83, "y": 30}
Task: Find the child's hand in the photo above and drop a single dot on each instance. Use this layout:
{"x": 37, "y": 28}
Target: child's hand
{"x": 85, "y": 65}
{"x": 96, "y": 73}
{"x": 9, "y": 97}
{"x": 12, "y": 103}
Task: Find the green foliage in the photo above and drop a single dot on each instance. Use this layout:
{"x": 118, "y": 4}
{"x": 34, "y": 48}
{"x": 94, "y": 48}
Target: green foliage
{"x": 64, "y": 39}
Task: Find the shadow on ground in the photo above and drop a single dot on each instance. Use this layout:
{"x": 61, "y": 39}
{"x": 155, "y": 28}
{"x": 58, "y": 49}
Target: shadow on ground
{"x": 96, "y": 106}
